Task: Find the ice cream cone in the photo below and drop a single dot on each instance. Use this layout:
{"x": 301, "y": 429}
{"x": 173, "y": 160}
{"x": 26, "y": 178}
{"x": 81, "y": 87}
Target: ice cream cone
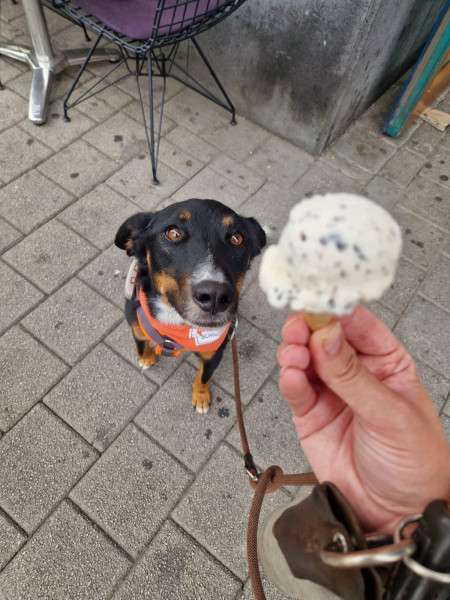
{"x": 317, "y": 320}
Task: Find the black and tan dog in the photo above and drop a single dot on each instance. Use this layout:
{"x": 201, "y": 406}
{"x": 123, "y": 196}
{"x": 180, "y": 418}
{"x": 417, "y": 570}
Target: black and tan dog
{"x": 183, "y": 288}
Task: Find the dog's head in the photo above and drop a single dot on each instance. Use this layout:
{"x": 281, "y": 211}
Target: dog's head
{"x": 192, "y": 256}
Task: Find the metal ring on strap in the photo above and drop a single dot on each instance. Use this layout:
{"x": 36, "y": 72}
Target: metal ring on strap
{"x": 412, "y": 564}
{"x": 373, "y": 557}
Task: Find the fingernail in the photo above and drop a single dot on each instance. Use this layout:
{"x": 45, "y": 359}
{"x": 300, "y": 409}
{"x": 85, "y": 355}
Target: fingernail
{"x": 332, "y": 341}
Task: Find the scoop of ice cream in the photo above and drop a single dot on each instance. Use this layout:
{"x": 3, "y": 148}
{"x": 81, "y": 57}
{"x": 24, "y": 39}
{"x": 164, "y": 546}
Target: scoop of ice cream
{"x": 335, "y": 251}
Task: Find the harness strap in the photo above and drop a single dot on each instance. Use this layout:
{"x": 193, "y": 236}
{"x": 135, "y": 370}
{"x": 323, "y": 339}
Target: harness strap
{"x": 165, "y": 346}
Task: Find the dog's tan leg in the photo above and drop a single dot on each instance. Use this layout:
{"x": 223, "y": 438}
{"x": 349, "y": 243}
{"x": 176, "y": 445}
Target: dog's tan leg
{"x": 201, "y": 396}
{"x": 145, "y": 353}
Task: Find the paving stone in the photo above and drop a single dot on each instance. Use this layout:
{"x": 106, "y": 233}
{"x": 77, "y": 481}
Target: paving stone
{"x": 271, "y": 205}
{"x": 402, "y": 167}
{"x": 101, "y": 106}
{"x": 134, "y": 111}
{"x": 421, "y": 240}
{"x": 134, "y": 181}
{"x": 24, "y": 382}
{"x": 254, "y": 306}
{"x": 17, "y": 296}
{"x": 171, "y": 420}
{"x": 437, "y": 167}
{"x": 98, "y": 215}
{"x": 12, "y": 540}
{"x": 384, "y": 192}
{"x": 120, "y": 137}
{"x": 238, "y": 141}
{"x": 322, "y": 179}
{"x": 210, "y": 184}
{"x": 407, "y": 280}
{"x": 367, "y": 150}
{"x": 72, "y": 320}
{"x": 50, "y": 255}
{"x": 349, "y": 168}
{"x": 425, "y": 331}
{"x": 424, "y": 139}
{"x": 216, "y": 507}
{"x": 436, "y": 286}
{"x": 13, "y": 109}
{"x": 22, "y": 84}
{"x": 387, "y": 316}
{"x": 122, "y": 342}
{"x": 192, "y": 111}
{"x": 78, "y": 168}
{"x": 188, "y": 141}
{"x": 13, "y": 143}
{"x": 108, "y": 272}
{"x": 244, "y": 177}
{"x": 174, "y": 566}
{"x": 279, "y": 161}
{"x": 8, "y": 235}
{"x": 99, "y": 396}
{"x": 445, "y": 420}
{"x": 437, "y": 386}
{"x": 429, "y": 200}
{"x": 257, "y": 360}
{"x": 181, "y": 160}
{"x": 131, "y": 490}
{"x": 67, "y": 558}
{"x": 40, "y": 460}
{"x": 58, "y": 133}
{"x": 32, "y": 199}
{"x": 271, "y": 433}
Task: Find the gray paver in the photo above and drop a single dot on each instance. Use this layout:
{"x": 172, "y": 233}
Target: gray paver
{"x": 29, "y": 201}
{"x": 78, "y": 168}
{"x": 362, "y": 147}
{"x": 271, "y": 434}
{"x": 67, "y": 558}
{"x": 72, "y": 320}
{"x": 169, "y": 418}
{"x": 131, "y": 489}
{"x": 13, "y": 108}
{"x": 40, "y": 461}
{"x": 12, "y": 540}
{"x": 424, "y": 139}
{"x": 174, "y": 566}
{"x": 425, "y": 331}
{"x": 429, "y": 200}
{"x": 25, "y": 296}
{"x": 50, "y": 255}
{"x": 407, "y": 279}
{"x": 13, "y": 143}
{"x": 99, "y": 396}
{"x": 437, "y": 386}
{"x": 216, "y": 507}
{"x": 281, "y": 162}
{"x": 185, "y": 139}
{"x": 321, "y": 178}
{"x": 21, "y": 383}
{"x": 402, "y": 167}
{"x": 98, "y": 215}
{"x": 437, "y": 167}
{"x": 384, "y": 192}
{"x": 8, "y": 235}
{"x": 436, "y": 286}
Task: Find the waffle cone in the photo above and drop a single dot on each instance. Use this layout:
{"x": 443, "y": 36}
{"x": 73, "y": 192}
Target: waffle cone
{"x": 317, "y": 320}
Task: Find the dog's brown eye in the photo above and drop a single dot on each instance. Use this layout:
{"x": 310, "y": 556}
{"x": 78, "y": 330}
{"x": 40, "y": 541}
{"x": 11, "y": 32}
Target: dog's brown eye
{"x": 174, "y": 234}
{"x": 236, "y": 239}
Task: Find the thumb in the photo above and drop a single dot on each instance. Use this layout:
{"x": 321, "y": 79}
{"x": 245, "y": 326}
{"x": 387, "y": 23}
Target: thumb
{"x": 339, "y": 367}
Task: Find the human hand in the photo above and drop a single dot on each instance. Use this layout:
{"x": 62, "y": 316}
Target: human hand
{"x": 363, "y": 418}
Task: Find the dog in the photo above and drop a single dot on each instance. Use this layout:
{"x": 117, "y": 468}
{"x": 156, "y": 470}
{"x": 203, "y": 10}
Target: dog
{"x": 182, "y": 290}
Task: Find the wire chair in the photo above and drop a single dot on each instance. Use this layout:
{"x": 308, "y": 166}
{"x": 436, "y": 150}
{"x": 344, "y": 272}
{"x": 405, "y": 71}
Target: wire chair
{"x": 147, "y": 33}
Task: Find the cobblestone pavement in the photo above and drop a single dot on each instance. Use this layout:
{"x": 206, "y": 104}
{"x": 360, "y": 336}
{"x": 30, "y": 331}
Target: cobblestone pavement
{"x": 110, "y": 485}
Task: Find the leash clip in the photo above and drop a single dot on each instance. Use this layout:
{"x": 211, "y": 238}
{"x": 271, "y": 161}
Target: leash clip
{"x": 233, "y": 327}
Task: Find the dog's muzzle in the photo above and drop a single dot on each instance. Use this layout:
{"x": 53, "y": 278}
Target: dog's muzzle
{"x": 213, "y": 297}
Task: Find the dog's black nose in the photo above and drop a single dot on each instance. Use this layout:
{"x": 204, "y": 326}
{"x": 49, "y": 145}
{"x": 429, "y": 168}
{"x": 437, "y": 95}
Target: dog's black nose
{"x": 213, "y": 297}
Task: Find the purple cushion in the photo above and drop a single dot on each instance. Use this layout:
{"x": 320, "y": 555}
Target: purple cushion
{"x": 135, "y": 18}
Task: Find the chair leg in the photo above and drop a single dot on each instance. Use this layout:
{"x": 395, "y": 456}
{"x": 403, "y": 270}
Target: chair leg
{"x": 216, "y": 79}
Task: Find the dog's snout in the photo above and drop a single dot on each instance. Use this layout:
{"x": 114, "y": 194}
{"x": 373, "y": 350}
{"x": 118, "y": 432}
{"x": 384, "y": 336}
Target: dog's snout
{"x": 213, "y": 297}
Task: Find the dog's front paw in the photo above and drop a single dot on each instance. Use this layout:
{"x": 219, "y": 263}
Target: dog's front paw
{"x": 147, "y": 358}
{"x": 201, "y": 399}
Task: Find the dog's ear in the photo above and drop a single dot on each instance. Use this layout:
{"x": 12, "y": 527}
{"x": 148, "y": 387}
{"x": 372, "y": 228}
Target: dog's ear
{"x": 257, "y": 235}
{"x": 130, "y": 230}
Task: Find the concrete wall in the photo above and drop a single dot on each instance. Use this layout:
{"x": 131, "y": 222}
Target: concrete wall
{"x": 305, "y": 69}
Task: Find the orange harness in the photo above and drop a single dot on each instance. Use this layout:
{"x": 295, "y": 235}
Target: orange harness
{"x": 170, "y": 340}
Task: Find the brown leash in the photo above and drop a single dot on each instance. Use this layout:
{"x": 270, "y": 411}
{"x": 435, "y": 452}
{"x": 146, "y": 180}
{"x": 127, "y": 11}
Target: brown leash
{"x": 264, "y": 483}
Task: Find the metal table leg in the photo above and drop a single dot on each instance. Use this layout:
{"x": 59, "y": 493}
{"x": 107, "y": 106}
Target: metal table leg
{"x": 44, "y": 60}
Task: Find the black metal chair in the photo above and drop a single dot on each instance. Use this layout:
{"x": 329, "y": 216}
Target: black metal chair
{"x": 147, "y": 32}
